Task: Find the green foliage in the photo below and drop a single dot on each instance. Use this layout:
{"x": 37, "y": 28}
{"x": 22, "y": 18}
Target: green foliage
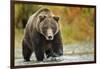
{"x": 18, "y": 37}
{"x": 22, "y": 13}
{"x": 77, "y": 23}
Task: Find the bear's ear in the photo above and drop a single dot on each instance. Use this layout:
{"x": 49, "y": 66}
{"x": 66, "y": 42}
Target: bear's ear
{"x": 42, "y": 18}
{"x": 56, "y": 18}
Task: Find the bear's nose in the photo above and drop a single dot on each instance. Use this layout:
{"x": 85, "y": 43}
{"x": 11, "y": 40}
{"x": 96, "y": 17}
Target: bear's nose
{"x": 50, "y": 37}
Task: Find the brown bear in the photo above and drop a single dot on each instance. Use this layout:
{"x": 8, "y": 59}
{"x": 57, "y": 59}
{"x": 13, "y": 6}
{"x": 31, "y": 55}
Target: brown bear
{"x": 42, "y": 35}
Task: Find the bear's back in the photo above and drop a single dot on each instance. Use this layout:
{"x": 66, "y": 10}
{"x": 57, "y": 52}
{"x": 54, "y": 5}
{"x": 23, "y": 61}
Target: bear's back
{"x": 43, "y": 12}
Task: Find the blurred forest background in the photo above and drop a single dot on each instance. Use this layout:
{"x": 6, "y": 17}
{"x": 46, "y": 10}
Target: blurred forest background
{"x": 77, "y": 23}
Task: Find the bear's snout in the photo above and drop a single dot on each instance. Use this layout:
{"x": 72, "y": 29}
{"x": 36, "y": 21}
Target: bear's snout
{"x": 50, "y": 37}
{"x": 50, "y": 34}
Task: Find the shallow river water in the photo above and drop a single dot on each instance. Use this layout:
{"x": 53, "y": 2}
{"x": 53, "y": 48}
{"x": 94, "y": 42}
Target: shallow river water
{"x": 72, "y": 53}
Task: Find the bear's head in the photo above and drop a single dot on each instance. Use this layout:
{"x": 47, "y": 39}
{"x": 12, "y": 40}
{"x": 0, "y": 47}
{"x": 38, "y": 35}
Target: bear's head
{"x": 48, "y": 26}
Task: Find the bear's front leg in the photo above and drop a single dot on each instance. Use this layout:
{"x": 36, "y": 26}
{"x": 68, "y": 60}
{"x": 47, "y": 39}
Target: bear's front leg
{"x": 39, "y": 52}
{"x": 57, "y": 45}
{"x": 26, "y": 50}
